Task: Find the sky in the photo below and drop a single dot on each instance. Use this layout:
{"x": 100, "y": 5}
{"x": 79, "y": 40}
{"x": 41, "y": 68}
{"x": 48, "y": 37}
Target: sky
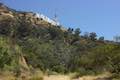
{"x": 100, "y": 16}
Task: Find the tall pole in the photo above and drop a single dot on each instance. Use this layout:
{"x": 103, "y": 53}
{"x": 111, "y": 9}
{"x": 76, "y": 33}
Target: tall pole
{"x": 55, "y": 16}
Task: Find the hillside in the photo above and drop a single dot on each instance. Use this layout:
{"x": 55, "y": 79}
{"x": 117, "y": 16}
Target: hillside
{"x": 29, "y": 44}
{"x": 34, "y": 18}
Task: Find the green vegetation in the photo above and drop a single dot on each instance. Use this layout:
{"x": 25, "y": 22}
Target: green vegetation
{"x": 51, "y": 48}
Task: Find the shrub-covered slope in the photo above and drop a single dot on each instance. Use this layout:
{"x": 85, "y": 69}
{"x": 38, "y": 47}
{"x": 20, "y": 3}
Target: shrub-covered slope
{"x": 28, "y": 44}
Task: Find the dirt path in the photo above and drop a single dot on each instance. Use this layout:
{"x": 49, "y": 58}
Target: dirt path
{"x": 62, "y": 77}
{"x": 66, "y": 77}
{"x": 58, "y": 77}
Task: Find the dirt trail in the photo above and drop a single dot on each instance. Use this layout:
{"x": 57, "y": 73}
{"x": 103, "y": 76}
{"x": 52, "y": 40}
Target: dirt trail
{"x": 66, "y": 77}
{"x": 56, "y": 77}
{"x": 62, "y": 77}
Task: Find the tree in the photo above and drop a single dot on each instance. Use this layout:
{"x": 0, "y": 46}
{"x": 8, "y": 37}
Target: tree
{"x": 70, "y": 30}
{"x": 68, "y": 35}
{"x": 6, "y": 25}
{"x": 56, "y": 33}
{"x": 77, "y": 32}
{"x": 86, "y": 35}
{"x": 24, "y": 27}
{"x": 93, "y": 36}
{"x": 101, "y": 38}
{"x": 76, "y": 35}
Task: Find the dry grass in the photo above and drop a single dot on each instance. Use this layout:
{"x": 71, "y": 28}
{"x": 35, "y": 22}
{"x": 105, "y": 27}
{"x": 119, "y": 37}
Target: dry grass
{"x": 24, "y": 76}
{"x": 7, "y": 76}
{"x": 104, "y": 75}
{"x": 38, "y": 75}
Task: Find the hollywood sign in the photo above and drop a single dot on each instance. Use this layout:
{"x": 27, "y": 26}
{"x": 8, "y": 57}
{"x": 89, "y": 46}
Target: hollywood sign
{"x": 53, "y": 22}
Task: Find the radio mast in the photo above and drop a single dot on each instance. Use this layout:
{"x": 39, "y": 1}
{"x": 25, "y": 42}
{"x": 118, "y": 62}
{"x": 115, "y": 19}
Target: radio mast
{"x": 55, "y": 18}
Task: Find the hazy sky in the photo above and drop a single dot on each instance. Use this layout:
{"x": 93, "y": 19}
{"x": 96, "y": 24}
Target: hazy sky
{"x": 100, "y": 16}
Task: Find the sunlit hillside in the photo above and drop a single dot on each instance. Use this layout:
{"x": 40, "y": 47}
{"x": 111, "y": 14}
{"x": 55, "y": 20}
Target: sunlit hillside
{"x": 33, "y": 48}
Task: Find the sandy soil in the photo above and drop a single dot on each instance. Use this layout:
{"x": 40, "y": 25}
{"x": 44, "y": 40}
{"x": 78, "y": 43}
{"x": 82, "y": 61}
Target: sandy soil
{"x": 56, "y": 77}
{"x": 7, "y": 76}
{"x": 65, "y": 77}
